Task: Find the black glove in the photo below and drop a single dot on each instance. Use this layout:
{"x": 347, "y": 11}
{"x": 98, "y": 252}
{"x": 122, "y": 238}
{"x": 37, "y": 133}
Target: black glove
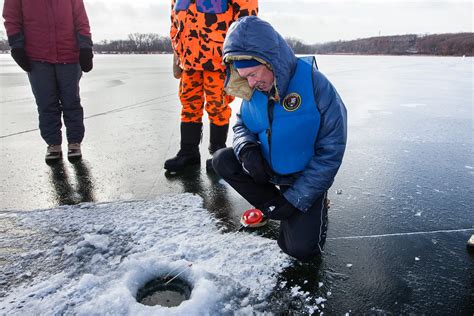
{"x": 254, "y": 164}
{"x": 85, "y": 59}
{"x": 279, "y": 208}
{"x": 21, "y": 59}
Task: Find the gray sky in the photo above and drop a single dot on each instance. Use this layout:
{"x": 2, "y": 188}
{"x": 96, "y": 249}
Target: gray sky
{"x": 313, "y": 21}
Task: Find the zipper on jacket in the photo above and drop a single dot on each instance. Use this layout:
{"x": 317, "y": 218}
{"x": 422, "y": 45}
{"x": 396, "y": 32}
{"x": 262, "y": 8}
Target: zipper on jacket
{"x": 270, "y": 107}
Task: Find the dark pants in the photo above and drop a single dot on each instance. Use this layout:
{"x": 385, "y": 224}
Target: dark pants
{"x": 302, "y": 235}
{"x": 56, "y": 90}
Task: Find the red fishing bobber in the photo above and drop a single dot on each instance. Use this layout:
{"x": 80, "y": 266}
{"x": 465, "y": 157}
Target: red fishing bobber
{"x": 253, "y": 218}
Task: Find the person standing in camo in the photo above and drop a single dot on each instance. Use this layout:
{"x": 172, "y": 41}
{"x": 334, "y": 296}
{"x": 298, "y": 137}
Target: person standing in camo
{"x": 198, "y": 30}
{"x": 51, "y": 41}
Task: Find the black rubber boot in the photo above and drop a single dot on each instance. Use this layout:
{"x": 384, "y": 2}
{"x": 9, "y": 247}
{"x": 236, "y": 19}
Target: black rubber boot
{"x": 188, "y": 155}
{"x": 218, "y": 137}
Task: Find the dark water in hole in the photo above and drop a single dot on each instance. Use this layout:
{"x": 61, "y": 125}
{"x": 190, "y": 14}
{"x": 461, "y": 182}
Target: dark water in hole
{"x": 159, "y": 292}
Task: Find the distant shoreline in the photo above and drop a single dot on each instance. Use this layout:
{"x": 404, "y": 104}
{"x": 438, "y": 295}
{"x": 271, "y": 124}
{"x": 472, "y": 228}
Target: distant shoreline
{"x": 316, "y": 54}
{"x": 450, "y": 44}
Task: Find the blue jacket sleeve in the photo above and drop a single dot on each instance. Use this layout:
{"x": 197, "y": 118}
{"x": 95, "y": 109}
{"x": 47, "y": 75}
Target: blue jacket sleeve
{"x": 330, "y": 144}
{"x": 242, "y": 136}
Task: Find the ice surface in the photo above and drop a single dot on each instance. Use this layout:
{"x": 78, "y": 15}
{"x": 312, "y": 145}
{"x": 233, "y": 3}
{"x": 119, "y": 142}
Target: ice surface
{"x": 92, "y": 258}
{"x": 424, "y": 145}
{"x": 412, "y": 105}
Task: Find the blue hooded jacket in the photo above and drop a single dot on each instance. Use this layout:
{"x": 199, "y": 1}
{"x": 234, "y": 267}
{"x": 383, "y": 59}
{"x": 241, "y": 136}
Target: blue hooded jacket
{"x": 251, "y": 37}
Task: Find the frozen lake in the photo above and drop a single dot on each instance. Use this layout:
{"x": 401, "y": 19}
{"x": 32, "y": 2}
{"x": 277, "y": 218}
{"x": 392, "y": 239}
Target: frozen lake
{"x": 81, "y": 239}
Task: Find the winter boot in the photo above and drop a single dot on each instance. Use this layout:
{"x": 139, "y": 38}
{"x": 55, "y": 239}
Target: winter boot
{"x": 188, "y": 155}
{"x": 74, "y": 152}
{"x": 53, "y": 153}
{"x": 218, "y": 137}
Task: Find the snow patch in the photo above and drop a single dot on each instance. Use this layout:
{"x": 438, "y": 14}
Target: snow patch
{"x": 91, "y": 259}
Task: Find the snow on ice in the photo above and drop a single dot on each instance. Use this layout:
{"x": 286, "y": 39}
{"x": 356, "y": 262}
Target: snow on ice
{"x": 91, "y": 259}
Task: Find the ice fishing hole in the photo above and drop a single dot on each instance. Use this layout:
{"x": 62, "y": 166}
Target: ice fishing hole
{"x": 159, "y": 292}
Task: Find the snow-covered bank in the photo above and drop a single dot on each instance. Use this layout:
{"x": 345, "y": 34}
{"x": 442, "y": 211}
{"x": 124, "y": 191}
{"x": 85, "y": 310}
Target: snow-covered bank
{"x": 92, "y": 259}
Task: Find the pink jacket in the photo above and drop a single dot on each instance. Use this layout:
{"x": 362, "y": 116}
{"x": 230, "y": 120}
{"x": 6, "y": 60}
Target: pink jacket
{"x": 49, "y": 30}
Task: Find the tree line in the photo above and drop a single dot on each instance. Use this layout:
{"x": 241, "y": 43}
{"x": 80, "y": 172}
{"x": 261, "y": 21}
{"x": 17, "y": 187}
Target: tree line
{"x": 456, "y": 44}
{"x": 136, "y": 43}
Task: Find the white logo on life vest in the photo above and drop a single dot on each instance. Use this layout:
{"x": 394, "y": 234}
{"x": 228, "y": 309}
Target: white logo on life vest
{"x": 292, "y": 102}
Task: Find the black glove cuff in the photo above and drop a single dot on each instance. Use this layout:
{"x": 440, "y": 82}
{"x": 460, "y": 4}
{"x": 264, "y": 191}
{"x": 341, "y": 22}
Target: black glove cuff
{"x": 84, "y": 41}
{"x": 16, "y": 40}
{"x": 246, "y": 149}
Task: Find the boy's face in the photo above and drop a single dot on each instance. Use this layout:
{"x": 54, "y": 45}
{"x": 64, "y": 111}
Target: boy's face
{"x": 258, "y": 77}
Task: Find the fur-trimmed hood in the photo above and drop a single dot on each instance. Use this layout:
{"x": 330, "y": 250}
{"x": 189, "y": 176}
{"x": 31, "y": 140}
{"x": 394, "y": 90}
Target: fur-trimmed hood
{"x": 252, "y": 38}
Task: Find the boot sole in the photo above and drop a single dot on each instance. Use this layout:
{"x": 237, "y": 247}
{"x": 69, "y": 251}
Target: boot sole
{"x": 169, "y": 164}
{"x": 54, "y": 159}
{"x": 75, "y": 158}
{"x": 187, "y": 166}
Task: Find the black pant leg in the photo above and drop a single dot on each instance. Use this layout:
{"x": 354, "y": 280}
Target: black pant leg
{"x": 68, "y": 77}
{"x": 227, "y": 165}
{"x": 303, "y": 235}
{"x": 45, "y": 89}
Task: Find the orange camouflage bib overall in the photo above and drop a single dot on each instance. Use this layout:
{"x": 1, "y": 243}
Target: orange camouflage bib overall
{"x": 198, "y": 29}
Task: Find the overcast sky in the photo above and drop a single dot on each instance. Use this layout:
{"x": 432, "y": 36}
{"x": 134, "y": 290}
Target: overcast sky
{"x": 313, "y": 21}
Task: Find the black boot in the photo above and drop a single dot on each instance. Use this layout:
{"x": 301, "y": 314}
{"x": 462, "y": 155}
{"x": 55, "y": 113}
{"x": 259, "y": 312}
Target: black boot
{"x": 188, "y": 155}
{"x": 217, "y": 141}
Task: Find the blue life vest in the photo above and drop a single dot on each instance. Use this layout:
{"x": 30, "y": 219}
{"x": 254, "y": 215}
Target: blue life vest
{"x": 287, "y": 130}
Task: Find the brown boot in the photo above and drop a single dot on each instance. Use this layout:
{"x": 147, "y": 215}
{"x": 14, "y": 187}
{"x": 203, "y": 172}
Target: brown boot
{"x": 53, "y": 153}
{"x": 74, "y": 152}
